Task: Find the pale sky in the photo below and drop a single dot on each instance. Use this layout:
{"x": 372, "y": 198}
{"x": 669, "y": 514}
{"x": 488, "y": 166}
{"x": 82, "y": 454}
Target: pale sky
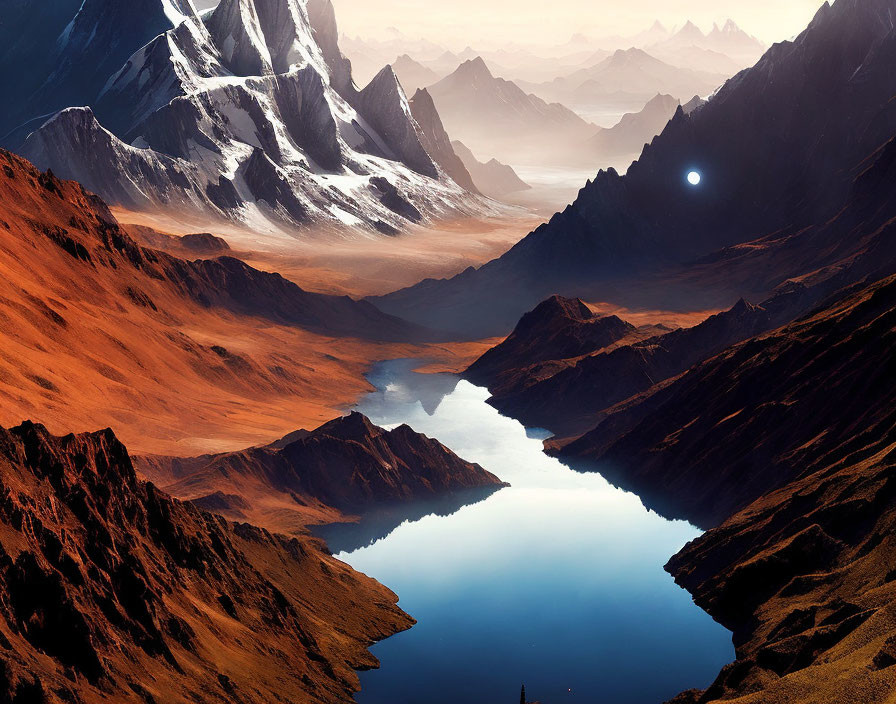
{"x": 462, "y": 22}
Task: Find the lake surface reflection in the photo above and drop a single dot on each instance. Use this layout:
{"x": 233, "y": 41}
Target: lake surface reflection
{"x": 556, "y": 582}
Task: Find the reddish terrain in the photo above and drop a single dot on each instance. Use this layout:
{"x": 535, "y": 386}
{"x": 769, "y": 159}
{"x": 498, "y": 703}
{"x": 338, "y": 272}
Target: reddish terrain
{"x": 115, "y": 592}
{"x": 99, "y": 330}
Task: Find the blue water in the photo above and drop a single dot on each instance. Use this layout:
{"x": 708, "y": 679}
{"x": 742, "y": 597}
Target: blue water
{"x": 556, "y": 582}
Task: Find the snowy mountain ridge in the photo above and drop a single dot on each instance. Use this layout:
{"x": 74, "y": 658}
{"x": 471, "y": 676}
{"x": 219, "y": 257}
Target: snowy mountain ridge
{"x": 248, "y": 113}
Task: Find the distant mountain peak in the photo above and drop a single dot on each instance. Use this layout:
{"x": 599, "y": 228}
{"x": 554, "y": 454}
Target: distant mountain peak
{"x": 475, "y": 68}
{"x": 558, "y": 307}
{"x": 690, "y": 30}
{"x": 730, "y": 28}
{"x": 630, "y": 57}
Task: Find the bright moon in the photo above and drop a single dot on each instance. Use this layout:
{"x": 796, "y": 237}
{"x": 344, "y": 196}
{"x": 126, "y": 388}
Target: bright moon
{"x": 694, "y": 178}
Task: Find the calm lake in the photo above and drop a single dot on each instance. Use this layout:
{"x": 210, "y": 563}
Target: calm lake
{"x": 556, "y": 582}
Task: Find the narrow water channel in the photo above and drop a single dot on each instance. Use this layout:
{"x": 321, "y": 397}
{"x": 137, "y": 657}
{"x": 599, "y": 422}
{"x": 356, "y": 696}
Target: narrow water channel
{"x": 556, "y": 582}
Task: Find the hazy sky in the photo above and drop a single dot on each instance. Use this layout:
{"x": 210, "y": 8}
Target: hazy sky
{"x": 462, "y": 22}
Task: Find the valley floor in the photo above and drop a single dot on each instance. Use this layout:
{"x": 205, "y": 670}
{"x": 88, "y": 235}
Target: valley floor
{"x": 364, "y": 264}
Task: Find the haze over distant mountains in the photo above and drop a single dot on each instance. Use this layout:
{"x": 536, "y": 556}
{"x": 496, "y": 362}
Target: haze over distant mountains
{"x": 778, "y": 147}
{"x": 492, "y": 177}
{"x": 249, "y": 115}
{"x": 721, "y": 50}
{"x": 634, "y": 129}
{"x": 494, "y": 116}
{"x": 630, "y": 76}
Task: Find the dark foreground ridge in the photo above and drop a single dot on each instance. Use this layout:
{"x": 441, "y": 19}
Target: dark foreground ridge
{"x": 113, "y": 591}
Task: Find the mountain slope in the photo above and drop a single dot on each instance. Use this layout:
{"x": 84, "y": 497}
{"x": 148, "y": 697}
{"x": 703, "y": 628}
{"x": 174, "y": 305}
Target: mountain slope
{"x": 761, "y": 413}
{"x": 558, "y": 329}
{"x": 792, "y": 433}
{"x": 437, "y": 142}
{"x": 779, "y": 148}
{"x": 566, "y": 390}
{"x": 635, "y": 130}
{"x": 68, "y": 50}
{"x": 113, "y": 590}
{"x": 630, "y": 73}
{"x": 414, "y": 75}
{"x": 569, "y": 395}
{"x": 492, "y": 178}
{"x": 100, "y": 329}
{"x": 250, "y": 116}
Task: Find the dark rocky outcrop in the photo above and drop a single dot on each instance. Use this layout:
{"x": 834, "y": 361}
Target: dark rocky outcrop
{"x": 556, "y": 330}
{"x": 348, "y": 465}
{"x": 803, "y": 572}
{"x": 204, "y": 243}
{"x": 545, "y": 387}
{"x": 760, "y": 414}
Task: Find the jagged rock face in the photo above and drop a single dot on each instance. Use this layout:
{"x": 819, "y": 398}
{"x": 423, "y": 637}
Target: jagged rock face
{"x": 236, "y": 30}
{"x": 113, "y": 590}
{"x": 544, "y": 385}
{"x": 778, "y": 148}
{"x": 203, "y": 97}
{"x": 102, "y": 158}
{"x": 794, "y": 430}
{"x": 382, "y": 465}
{"x": 384, "y": 101}
{"x": 762, "y": 412}
{"x": 322, "y": 17}
{"x": 436, "y": 140}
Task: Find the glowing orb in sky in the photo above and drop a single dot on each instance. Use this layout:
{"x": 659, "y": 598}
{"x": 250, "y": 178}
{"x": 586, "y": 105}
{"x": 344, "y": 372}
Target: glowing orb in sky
{"x": 694, "y": 178}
